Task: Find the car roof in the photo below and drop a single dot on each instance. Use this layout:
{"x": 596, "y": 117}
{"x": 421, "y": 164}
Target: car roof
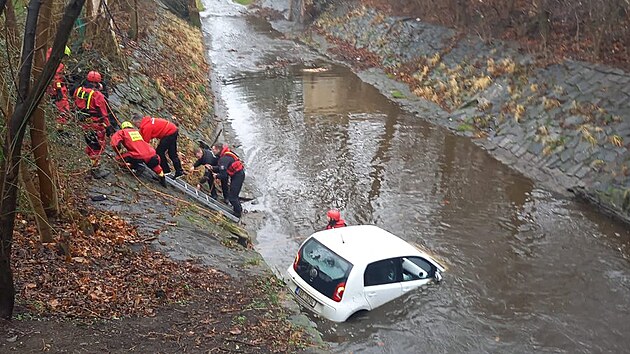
{"x": 363, "y": 244}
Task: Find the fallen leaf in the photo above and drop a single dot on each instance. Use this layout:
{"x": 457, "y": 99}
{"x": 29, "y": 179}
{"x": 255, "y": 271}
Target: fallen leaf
{"x": 236, "y": 331}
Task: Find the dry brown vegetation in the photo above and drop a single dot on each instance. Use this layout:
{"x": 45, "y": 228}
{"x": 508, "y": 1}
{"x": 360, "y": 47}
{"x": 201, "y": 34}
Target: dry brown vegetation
{"x": 597, "y": 30}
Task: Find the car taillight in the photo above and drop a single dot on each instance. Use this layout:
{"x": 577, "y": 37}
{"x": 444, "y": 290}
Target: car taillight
{"x": 296, "y": 261}
{"x": 338, "y": 294}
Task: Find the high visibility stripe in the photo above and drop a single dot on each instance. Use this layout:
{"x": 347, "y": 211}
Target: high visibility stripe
{"x": 89, "y": 99}
{"x": 81, "y": 94}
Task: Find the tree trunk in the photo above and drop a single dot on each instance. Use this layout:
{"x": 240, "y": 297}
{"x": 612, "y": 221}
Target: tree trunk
{"x": 133, "y": 31}
{"x": 11, "y": 22}
{"x": 39, "y": 138}
{"x": 16, "y": 128}
{"x": 543, "y": 20}
{"x": 461, "y": 13}
{"x": 2, "y": 4}
{"x": 290, "y": 16}
{"x": 193, "y": 13}
{"x": 11, "y": 149}
{"x": 12, "y": 46}
{"x": 43, "y": 226}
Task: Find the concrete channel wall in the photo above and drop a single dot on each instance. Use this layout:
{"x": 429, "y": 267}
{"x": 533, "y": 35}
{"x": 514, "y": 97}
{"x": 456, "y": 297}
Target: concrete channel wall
{"x": 565, "y": 125}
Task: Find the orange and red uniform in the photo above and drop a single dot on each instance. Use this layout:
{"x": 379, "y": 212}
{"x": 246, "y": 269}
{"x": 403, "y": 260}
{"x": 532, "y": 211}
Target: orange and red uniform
{"x": 92, "y": 105}
{"x": 137, "y": 149}
{"x": 156, "y": 128}
{"x": 230, "y": 167}
{"x": 59, "y": 92}
{"x": 335, "y": 224}
{"x": 167, "y": 132}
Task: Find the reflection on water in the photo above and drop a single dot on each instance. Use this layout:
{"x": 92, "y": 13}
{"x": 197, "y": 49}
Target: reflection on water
{"x": 528, "y": 271}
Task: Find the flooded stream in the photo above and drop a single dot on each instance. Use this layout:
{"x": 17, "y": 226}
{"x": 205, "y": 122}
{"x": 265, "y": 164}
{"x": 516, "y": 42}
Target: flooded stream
{"x": 528, "y": 271}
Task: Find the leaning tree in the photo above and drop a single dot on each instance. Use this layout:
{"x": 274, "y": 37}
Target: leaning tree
{"x": 26, "y": 103}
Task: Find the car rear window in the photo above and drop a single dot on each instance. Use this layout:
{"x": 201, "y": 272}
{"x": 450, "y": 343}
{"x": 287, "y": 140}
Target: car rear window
{"x": 322, "y": 268}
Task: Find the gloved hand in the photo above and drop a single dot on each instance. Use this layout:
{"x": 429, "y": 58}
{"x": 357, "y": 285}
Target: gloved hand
{"x": 109, "y": 130}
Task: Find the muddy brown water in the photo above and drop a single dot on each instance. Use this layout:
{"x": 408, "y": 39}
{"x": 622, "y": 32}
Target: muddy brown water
{"x": 529, "y": 271}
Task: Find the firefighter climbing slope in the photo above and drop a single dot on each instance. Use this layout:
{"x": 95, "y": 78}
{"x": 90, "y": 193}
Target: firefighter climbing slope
{"x": 138, "y": 151}
{"x": 167, "y": 133}
{"x": 95, "y": 121}
{"x": 58, "y": 90}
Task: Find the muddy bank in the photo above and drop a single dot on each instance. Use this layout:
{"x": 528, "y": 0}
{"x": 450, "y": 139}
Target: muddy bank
{"x": 565, "y": 125}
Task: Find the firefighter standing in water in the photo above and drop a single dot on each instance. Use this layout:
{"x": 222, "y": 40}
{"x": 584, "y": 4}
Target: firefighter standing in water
{"x": 58, "y": 90}
{"x": 334, "y": 219}
{"x": 138, "y": 150}
{"x": 167, "y": 133}
{"x": 94, "y": 118}
{"x": 231, "y": 172}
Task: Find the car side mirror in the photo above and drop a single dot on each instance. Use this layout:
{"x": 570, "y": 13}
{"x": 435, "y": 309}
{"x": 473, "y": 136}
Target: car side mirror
{"x": 438, "y": 276}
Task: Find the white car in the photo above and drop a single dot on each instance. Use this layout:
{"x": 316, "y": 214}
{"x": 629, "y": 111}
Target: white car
{"x": 339, "y": 272}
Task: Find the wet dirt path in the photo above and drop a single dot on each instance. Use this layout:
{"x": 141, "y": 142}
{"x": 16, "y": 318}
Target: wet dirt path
{"x": 528, "y": 271}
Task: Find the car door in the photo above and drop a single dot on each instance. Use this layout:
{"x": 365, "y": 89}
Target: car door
{"x": 381, "y": 282}
{"x": 416, "y": 271}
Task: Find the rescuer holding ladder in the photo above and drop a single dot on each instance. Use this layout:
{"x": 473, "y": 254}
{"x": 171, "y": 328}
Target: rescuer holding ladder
{"x": 229, "y": 170}
{"x": 138, "y": 150}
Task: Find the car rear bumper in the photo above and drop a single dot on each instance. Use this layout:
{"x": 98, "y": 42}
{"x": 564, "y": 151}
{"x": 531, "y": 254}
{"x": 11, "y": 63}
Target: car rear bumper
{"x": 321, "y": 306}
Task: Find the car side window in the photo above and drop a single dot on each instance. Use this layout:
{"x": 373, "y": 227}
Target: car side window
{"x": 415, "y": 268}
{"x": 383, "y": 272}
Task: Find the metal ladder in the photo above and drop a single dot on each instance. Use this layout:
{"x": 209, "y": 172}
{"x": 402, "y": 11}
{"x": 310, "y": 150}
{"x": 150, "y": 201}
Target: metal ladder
{"x": 202, "y": 197}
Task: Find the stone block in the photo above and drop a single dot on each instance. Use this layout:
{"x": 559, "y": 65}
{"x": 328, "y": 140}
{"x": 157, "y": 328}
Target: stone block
{"x": 574, "y": 169}
{"x": 573, "y": 120}
{"x": 535, "y": 148}
{"x": 566, "y": 155}
{"x": 610, "y": 156}
{"x": 620, "y": 79}
{"x": 582, "y": 172}
{"x": 521, "y": 151}
{"x": 581, "y": 156}
{"x": 552, "y": 161}
{"x": 505, "y": 143}
{"x": 565, "y": 166}
{"x": 583, "y": 145}
{"x": 572, "y": 143}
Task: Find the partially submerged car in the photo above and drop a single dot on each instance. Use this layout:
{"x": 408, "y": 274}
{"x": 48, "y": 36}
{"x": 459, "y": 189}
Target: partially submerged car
{"x": 339, "y": 272}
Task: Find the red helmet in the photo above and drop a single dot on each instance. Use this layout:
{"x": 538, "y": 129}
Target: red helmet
{"x": 334, "y": 214}
{"x": 94, "y": 76}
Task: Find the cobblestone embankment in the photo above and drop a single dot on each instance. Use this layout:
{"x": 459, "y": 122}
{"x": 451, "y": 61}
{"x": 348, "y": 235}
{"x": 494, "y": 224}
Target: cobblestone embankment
{"x": 566, "y": 125}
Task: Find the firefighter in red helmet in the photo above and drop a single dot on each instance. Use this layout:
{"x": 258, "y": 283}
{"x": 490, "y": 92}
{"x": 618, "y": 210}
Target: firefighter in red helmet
{"x": 94, "y": 116}
{"x": 94, "y": 76}
{"x": 334, "y": 219}
{"x": 58, "y": 89}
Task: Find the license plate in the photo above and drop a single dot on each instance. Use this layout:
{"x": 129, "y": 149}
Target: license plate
{"x": 305, "y": 297}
